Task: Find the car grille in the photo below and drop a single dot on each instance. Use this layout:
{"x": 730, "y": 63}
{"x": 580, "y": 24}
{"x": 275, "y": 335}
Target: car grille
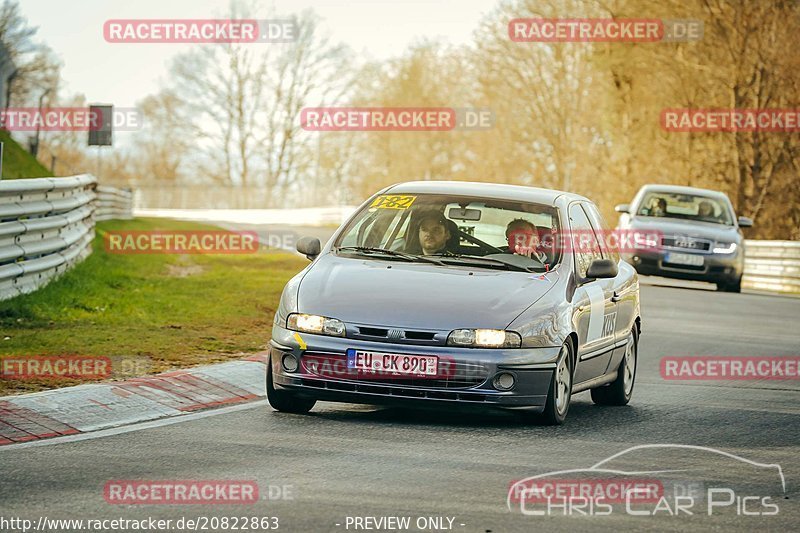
{"x": 383, "y": 334}
{"x": 460, "y": 375}
{"x": 683, "y": 242}
{"x": 395, "y": 391}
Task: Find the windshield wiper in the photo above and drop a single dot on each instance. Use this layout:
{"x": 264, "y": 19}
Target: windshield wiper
{"x": 490, "y": 260}
{"x": 391, "y": 253}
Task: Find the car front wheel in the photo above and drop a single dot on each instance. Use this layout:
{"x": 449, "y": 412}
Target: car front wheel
{"x": 285, "y": 401}
{"x": 560, "y": 393}
{"x": 734, "y": 286}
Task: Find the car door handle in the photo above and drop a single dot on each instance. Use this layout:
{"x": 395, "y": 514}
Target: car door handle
{"x": 616, "y": 297}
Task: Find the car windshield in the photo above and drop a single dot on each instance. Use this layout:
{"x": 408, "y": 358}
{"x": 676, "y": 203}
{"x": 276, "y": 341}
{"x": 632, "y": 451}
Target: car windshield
{"x": 453, "y": 230}
{"x": 685, "y": 206}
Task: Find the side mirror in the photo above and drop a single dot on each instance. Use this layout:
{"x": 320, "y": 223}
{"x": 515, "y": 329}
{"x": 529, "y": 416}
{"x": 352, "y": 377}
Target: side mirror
{"x": 602, "y": 268}
{"x": 309, "y": 246}
{"x": 623, "y": 208}
{"x": 745, "y": 222}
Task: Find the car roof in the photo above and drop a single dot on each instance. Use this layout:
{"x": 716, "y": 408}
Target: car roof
{"x": 496, "y": 191}
{"x": 682, "y": 189}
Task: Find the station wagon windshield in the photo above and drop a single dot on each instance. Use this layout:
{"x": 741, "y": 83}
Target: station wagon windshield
{"x": 685, "y": 206}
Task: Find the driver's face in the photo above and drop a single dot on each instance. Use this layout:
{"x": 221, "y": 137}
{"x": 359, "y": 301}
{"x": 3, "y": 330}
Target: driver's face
{"x": 433, "y": 236}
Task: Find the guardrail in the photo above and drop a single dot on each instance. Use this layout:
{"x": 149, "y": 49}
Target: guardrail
{"x": 46, "y": 226}
{"x": 772, "y": 266}
{"x": 113, "y": 203}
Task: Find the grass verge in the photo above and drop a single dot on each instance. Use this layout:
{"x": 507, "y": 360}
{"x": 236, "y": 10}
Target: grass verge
{"x": 171, "y": 310}
{"x": 17, "y": 162}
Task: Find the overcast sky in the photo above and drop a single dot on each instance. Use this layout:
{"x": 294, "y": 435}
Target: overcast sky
{"x": 121, "y": 74}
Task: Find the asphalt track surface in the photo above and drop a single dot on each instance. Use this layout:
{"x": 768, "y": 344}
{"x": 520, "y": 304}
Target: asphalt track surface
{"x": 361, "y": 461}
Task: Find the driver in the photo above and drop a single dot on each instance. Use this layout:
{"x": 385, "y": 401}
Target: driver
{"x": 433, "y": 233}
{"x": 523, "y": 239}
{"x": 658, "y": 208}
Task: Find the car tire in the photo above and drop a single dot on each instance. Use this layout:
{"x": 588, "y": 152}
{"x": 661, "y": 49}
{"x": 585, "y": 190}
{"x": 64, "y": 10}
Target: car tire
{"x": 619, "y": 391}
{"x": 736, "y": 286}
{"x": 560, "y": 393}
{"x": 285, "y": 401}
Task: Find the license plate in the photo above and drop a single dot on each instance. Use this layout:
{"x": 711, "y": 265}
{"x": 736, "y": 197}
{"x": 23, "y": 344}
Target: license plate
{"x": 684, "y": 259}
{"x": 393, "y": 364}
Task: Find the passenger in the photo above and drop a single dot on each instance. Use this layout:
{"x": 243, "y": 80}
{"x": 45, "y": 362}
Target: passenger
{"x": 659, "y": 208}
{"x": 523, "y": 239}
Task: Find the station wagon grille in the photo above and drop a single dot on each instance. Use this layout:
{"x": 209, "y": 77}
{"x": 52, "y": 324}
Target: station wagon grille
{"x": 683, "y": 242}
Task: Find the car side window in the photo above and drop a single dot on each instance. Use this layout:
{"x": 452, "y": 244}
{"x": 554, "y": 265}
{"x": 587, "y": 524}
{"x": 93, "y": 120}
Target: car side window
{"x": 610, "y": 251}
{"x": 583, "y": 240}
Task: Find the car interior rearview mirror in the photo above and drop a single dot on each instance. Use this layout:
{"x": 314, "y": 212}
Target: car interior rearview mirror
{"x": 464, "y": 213}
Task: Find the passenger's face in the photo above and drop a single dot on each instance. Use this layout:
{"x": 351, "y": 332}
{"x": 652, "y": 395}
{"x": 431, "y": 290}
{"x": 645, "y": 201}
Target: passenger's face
{"x": 523, "y": 237}
{"x": 433, "y": 236}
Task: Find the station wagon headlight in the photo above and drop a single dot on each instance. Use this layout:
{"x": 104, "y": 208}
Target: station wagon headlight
{"x": 724, "y": 247}
{"x": 315, "y": 324}
{"x": 484, "y": 338}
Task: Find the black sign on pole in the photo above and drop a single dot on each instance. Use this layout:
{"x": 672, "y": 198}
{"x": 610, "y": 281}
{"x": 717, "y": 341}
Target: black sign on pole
{"x": 101, "y": 126}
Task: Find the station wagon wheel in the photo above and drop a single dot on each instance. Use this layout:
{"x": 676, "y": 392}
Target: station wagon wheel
{"x": 560, "y": 393}
{"x": 285, "y": 401}
{"x": 620, "y": 390}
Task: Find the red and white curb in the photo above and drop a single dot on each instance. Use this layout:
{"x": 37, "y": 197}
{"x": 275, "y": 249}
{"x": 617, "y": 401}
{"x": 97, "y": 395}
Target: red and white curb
{"x": 97, "y": 406}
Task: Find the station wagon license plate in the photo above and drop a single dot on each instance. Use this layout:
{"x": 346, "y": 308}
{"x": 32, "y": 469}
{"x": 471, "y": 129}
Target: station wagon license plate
{"x": 684, "y": 259}
{"x": 390, "y": 363}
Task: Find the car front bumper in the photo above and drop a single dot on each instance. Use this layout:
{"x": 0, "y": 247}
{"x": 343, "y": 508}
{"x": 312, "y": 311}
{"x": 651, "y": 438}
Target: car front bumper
{"x": 716, "y": 268}
{"x": 470, "y": 382}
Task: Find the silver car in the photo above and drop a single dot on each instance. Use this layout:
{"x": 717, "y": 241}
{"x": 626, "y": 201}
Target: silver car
{"x": 442, "y": 292}
{"x": 697, "y": 236}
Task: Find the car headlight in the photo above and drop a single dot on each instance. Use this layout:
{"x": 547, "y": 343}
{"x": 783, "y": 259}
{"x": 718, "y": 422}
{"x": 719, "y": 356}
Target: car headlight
{"x": 724, "y": 247}
{"x": 315, "y": 324}
{"x": 484, "y": 338}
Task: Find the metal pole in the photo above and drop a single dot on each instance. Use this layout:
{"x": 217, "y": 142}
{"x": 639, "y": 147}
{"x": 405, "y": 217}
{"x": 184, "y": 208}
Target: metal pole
{"x": 35, "y": 151}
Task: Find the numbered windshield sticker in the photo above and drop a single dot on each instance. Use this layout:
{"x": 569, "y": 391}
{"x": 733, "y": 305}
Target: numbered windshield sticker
{"x": 393, "y": 201}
